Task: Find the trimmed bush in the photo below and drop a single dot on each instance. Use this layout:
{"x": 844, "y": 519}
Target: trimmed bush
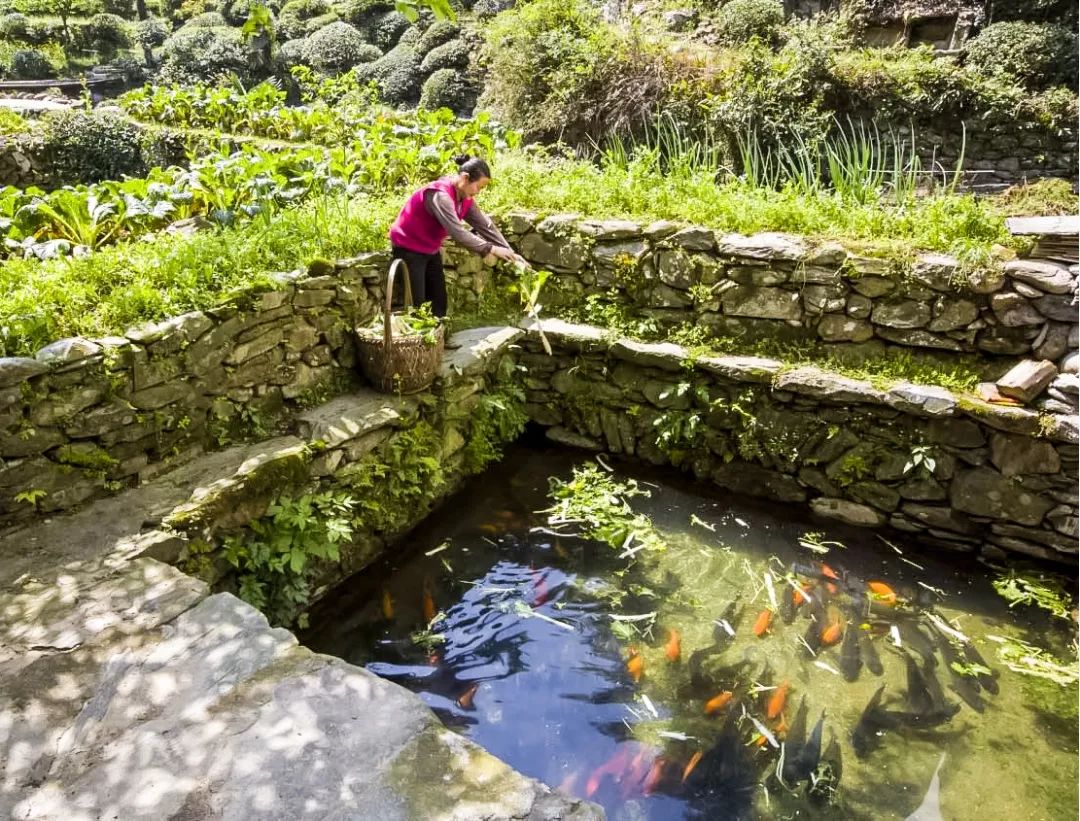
{"x": 454, "y": 54}
{"x": 87, "y": 147}
{"x": 108, "y": 34}
{"x": 1036, "y": 55}
{"x": 124, "y": 9}
{"x": 489, "y": 8}
{"x": 363, "y": 13}
{"x": 447, "y": 88}
{"x": 742, "y": 20}
{"x": 236, "y": 11}
{"x": 31, "y": 64}
{"x": 439, "y": 32}
{"x": 206, "y": 20}
{"x": 397, "y": 74}
{"x": 292, "y": 51}
{"x": 337, "y": 48}
{"x": 203, "y": 54}
{"x": 151, "y": 32}
{"x": 388, "y": 28}
{"x": 410, "y": 37}
{"x": 295, "y": 16}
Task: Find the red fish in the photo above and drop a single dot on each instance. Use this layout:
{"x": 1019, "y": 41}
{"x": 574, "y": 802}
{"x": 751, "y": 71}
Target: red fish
{"x": 465, "y": 700}
{"x": 761, "y": 626}
{"x": 718, "y": 702}
{"x": 429, "y": 606}
{"x": 540, "y": 591}
{"x": 387, "y": 605}
{"x": 693, "y": 762}
{"x": 883, "y": 594}
{"x": 655, "y": 776}
{"x": 635, "y": 665}
{"x": 673, "y": 648}
{"x": 833, "y": 633}
{"x": 777, "y": 700}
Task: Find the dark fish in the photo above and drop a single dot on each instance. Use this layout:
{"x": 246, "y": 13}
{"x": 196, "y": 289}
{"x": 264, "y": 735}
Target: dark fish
{"x": 731, "y": 616}
{"x": 918, "y": 694}
{"x": 864, "y": 736}
{"x": 801, "y": 759}
{"x": 699, "y": 681}
{"x": 987, "y": 680}
{"x": 787, "y": 605}
{"x": 812, "y": 637}
{"x": 917, "y": 639}
{"x": 899, "y": 719}
{"x": 794, "y": 743}
{"x": 811, "y": 751}
{"x": 850, "y": 662}
{"x": 870, "y": 653}
{"x": 933, "y": 686}
{"x": 965, "y": 686}
{"x": 826, "y": 780}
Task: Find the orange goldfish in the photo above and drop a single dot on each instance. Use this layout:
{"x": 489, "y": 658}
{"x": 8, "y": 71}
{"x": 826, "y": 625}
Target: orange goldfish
{"x": 833, "y": 633}
{"x": 693, "y": 762}
{"x": 776, "y": 701}
{"x": 540, "y": 590}
{"x": 635, "y": 665}
{"x": 761, "y": 626}
{"x": 718, "y": 702}
{"x": 673, "y": 648}
{"x": 656, "y": 774}
{"x": 797, "y": 594}
{"x": 883, "y": 593}
{"x": 465, "y": 700}
{"x": 429, "y": 605}
{"x": 387, "y": 605}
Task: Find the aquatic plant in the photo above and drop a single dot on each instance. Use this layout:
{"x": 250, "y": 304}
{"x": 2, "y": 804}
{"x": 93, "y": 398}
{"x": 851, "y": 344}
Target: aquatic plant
{"x": 1028, "y": 660}
{"x": 1035, "y": 590}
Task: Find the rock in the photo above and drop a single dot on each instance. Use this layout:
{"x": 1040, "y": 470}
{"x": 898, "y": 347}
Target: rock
{"x": 940, "y": 518}
{"x": 741, "y": 368}
{"x": 1016, "y": 455}
{"x": 876, "y": 495}
{"x": 1053, "y": 342}
{"x": 828, "y": 253}
{"x": 986, "y": 280}
{"x": 1067, "y": 383}
{"x": 1064, "y": 543}
{"x": 16, "y": 369}
{"x": 921, "y": 400}
{"x": 829, "y": 387}
{"x": 1026, "y": 290}
{"x": 1002, "y": 417}
{"x": 847, "y": 512}
{"x": 694, "y": 238}
{"x": 564, "y": 436}
{"x": 521, "y": 222}
{"x": 836, "y": 328}
{"x": 566, "y": 254}
{"x": 162, "y": 395}
{"x": 869, "y": 267}
{"x": 30, "y": 442}
{"x": 764, "y": 303}
{"x": 922, "y": 489}
{"x": 63, "y": 351}
{"x": 1013, "y": 311}
{"x": 764, "y": 246}
{"x": 567, "y": 335}
{"x": 1049, "y": 277}
{"x": 1071, "y": 363}
{"x": 1062, "y": 308}
{"x": 675, "y": 268}
{"x": 271, "y": 338}
{"x": 918, "y": 338}
{"x": 952, "y": 314}
{"x": 859, "y": 306}
{"x": 609, "y": 230}
{"x": 903, "y": 314}
{"x": 663, "y": 355}
{"x": 755, "y": 480}
{"x": 824, "y": 299}
{"x": 1027, "y": 380}
{"x": 65, "y": 405}
{"x": 756, "y": 275}
{"x": 985, "y": 492}
{"x": 936, "y": 271}
{"x": 1064, "y": 519}
{"x": 873, "y": 287}
{"x": 959, "y": 433}
{"x": 660, "y": 229}
{"x": 679, "y": 19}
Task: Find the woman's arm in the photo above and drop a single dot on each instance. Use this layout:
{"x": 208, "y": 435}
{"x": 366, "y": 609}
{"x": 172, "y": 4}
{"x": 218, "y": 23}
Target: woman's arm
{"x": 483, "y": 225}
{"x": 440, "y": 206}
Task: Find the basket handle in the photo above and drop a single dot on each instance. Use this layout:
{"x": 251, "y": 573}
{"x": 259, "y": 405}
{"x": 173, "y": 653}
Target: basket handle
{"x": 397, "y": 263}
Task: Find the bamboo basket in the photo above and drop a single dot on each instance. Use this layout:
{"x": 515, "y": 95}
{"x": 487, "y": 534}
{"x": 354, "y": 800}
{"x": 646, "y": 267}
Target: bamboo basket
{"x": 401, "y": 364}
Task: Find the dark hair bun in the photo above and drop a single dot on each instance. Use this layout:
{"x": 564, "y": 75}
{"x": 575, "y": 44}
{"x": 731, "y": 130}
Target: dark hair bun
{"x": 461, "y": 159}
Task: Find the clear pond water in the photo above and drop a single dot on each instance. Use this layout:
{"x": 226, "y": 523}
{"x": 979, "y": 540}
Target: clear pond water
{"x": 531, "y": 665}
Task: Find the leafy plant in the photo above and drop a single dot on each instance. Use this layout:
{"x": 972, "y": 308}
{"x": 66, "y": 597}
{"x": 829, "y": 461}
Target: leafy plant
{"x": 1035, "y": 590}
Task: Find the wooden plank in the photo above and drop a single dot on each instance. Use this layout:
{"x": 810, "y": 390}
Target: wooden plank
{"x": 1027, "y": 380}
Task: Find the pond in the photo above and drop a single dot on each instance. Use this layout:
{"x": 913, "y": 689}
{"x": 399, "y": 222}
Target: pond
{"x": 687, "y": 683}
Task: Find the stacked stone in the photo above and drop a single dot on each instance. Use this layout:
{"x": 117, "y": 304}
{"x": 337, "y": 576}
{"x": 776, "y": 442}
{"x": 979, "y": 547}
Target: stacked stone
{"x": 774, "y": 285}
{"x": 990, "y": 478}
{"x": 83, "y": 416}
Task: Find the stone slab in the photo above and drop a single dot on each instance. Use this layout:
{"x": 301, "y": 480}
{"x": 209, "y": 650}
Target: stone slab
{"x": 352, "y": 416}
{"x": 478, "y": 347}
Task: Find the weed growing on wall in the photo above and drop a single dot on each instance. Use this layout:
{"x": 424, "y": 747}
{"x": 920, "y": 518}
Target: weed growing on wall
{"x": 499, "y": 418}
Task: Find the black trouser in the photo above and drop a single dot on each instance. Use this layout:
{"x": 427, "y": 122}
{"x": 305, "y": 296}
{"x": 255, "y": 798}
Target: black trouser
{"x": 426, "y": 278}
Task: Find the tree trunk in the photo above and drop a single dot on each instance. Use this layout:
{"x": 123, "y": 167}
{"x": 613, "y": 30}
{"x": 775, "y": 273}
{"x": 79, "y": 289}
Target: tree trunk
{"x": 140, "y": 9}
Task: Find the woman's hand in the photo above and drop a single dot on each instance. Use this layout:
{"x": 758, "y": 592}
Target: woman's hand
{"x": 501, "y": 252}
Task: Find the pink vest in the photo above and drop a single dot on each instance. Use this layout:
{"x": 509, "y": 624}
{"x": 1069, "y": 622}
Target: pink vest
{"x": 415, "y": 229}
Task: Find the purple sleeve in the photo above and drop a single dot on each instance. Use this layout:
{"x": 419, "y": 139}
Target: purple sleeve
{"x": 438, "y": 204}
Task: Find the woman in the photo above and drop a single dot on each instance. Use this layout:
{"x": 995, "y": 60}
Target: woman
{"x": 435, "y": 212}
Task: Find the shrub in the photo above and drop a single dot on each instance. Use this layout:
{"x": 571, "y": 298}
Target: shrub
{"x": 31, "y": 64}
{"x": 125, "y": 9}
{"x": 12, "y": 122}
{"x": 397, "y": 74}
{"x": 206, "y": 20}
{"x": 151, "y": 32}
{"x": 337, "y": 48}
{"x": 410, "y": 37}
{"x": 388, "y": 28}
{"x": 1036, "y": 55}
{"x": 362, "y": 13}
{"x": 489, "y": 8}
{"x": 447, "y": 88}
{"x": 296, "y": 14}
{"x": 439, "y": 32}
{"x": 88, "y": 147}
{"x": 292, "y": 51}
{"x": 202, "y": 54}
{"x": 108, "y": 34}
{"x": 454, "y": 54}
{"x": 741, "y": 20}
{"x": 236, "y": 11}
{"x": 15, "y": 27}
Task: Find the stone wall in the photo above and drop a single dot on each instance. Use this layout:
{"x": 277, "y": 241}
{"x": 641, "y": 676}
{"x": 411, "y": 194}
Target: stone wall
{"x": 775, "y": 285}
{"x": 962, "y": 474}
{"x": 85, "y": 417}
